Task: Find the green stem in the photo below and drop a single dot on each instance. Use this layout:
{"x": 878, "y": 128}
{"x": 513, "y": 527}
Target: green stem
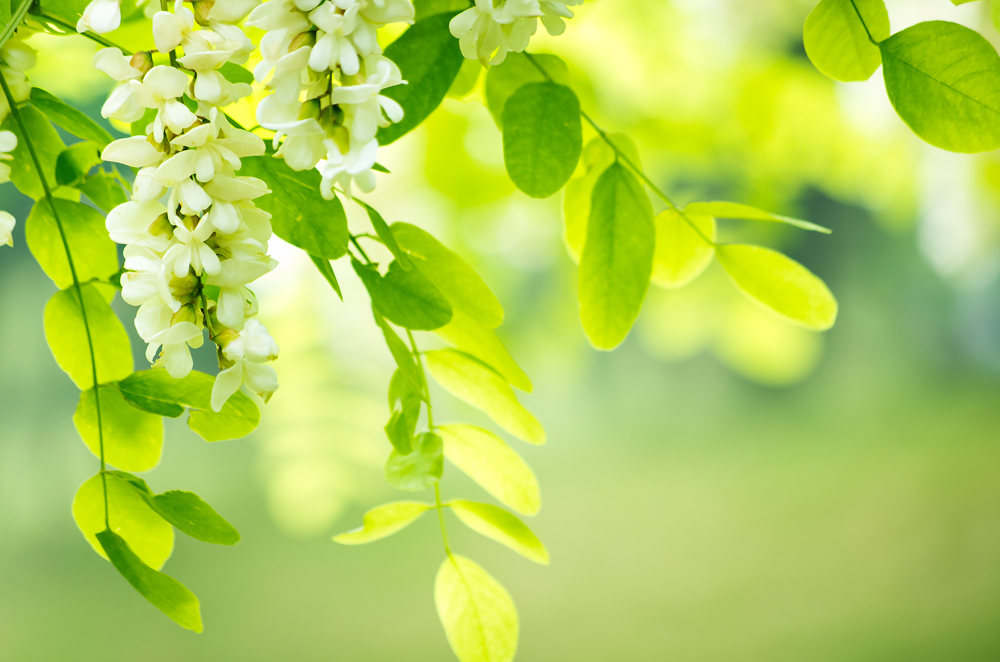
{"x": 623, "y": 157}
{"x": 72, "y": 270}
{"x": 93, "y": 36}
{"x": 15, "y": 21}
{"x": 354, "y": 240}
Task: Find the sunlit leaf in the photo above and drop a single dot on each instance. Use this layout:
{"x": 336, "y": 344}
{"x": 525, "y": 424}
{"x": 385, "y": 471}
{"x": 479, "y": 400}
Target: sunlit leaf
{"x": 542, "y": 137}
{"x": 48, "y": 145}
{"x": 490, "y": 462}
{"x": 515, "y": 71}
{"x": 942, "y": 79}
{"x": 234, "y": 73}
{"x": 133, "y": 439}
{"x": 477, "y": 613}
{"x": 837, "y": 42}
{"x": 682, "y": 254}
{"x": 405, "y": 298}
{"x": 497, "y": 524}
{"x": 419, "y": 469}
{"x": 473, "y": 338}
{"x": 69, "y": 118}
{"x": 617, "y": 260}
{"x": 384, "y": 521}
{"x": 68, "y": 338}
{"x": 163, "y": 591}
{"x": 94, "y": 254}
{"x": 781, "y": 284}
{"x": 482, "y": 387}
{"x": 451, "y": 274}
{"x": 429, "y": 58}
{"x": 150, "y": 536}
{"x": 401, "y": 354}
{"x": 737, "y": 210}
{"x": 191, "y": 515}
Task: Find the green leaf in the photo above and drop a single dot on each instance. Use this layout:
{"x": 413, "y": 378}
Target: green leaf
{"x": 495, "y": 467}
{"x": 235, "y": 73}
{"x": 542, "y": 137}
{"x": 995, "y": 14}
{"x": 191, "y": 515}
{"x": 69, "y": 118}
{"x": 68, "y": 10}
{"x": 75, "y": 162}
{"x": 299, "y": 214}
{"x": 473, "y": 338}
{"x": 94, "y": 254}
{"x": 163, "y": 591}
{"x": 479, "y": 385}
{"x": 47, "y": 144}
{"x": 746, "y": 212}
{"x": 401, "y": 354}
{"x": 104, "y": 190}
{"x": 517, "y": 70}
{"x": 418, "y": 469}
{"x": 326, "y": 269}
{"x": 477, "y": 613}
{"x": 429, "y": 59}
{"x": 383, "y": 521}
{"x": 942, "y": 79}
{"x": 837, "y": 42}
{"x": 425, "y": 8}
{"x": 466, "y": 81}
{"x": 149, "y": 535}
{"x": 385, "y": 234}
{"x": 404, "y": 403}
{"x": 133, "y": 439}
{"x": 780, "y": 284}
{"x": 681, "y": 253}
{"x": 405, "y": 298}
{"x": 451, "y": 274}
{"x": 67, "y": 337}
{"x": 138, "y": 128}
{"x": 617, "y": 260}
{"x": 157, "y": 392}
{"x": 497, "y": 524}
{"x": 4, "y": 12}
{"x": 597, "y": 157}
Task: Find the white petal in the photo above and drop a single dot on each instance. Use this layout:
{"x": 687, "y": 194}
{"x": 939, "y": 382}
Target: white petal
{"x": 227, "y": 383}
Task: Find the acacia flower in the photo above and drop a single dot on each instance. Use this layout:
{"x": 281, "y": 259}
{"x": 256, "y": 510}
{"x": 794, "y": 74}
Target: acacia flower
{"x": 100, "y": 16}
{"x": 247, "y": 353}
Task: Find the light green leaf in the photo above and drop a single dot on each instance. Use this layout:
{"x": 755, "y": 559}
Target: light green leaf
{"x": 383, "y": 521}
{"x": 479, "y": 385}
{"x": 995, "y": 14}
{"x": 737, "y": 210}
{"x": 780, "y": 284}
{"x": 486, "y": 459}
{"x": 473, "y": 338}
{"x": 385, "y": 234}
{"x": 425, "y": 8}
{"x": 299, "y": 214}
{"x": 942, "y": 78}
{"x": 405, "y": 298}
{"x": 235, "y": 73}
{"x": 497, "y": 524}
{"x": 67, "y": 337}
{"x": 69, "y": 118}
{"x": 163, "y": 591}
{"x": 191, "y": 515}
{"x": 47, "y": 144}
{"x": 133, "y": 439}
{"x": 326, "y": 269}
{"x": 104, "y": 190}
{"x": 418, "y": 469}
{"x": 404, "y": 403}
{"x": 837, "y": 42}
{"x": 617, "y": 260}
{"x": 597, "y": 157}
{"x": 516, "y": 70}
{"x": 682, "y": 254}
{"x": 94, "y": 254}
{"x": 75, "y": 162}
{"x": 542, "y": 137}
{"x": 466, "y": 81}
{"x": 157, "y": 392}
{"x": 150, "y": 536}
{"x": 4, "y": 12}
{"x": 451, "y": 274}
{"x": 429, "y": 59}
{"x": 477, "y": 613}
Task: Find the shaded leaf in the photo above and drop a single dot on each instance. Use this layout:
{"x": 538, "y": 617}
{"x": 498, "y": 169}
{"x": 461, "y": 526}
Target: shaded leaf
{"x": 405, "y": 298}
{"x": 515, "y": 71}
{"x": 69, "y": 118}
{"x": 326, "y": 269}
{"x": 75, "y": 162}
{"x": 104, "y": 190}
{"x": 191, "y": 515}
{"x": 419, "y": 469}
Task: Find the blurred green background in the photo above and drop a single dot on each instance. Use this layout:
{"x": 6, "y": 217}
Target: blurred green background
{"x": 723, "y": 487}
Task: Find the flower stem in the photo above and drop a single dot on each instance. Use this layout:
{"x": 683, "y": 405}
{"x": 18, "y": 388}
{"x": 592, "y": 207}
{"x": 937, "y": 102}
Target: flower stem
{"x": 15, "y": 21}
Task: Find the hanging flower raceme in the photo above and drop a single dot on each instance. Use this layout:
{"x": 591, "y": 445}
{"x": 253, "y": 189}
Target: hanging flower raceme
{"x": 326, "y": 71}
{"x": 492, "y": 28}
{"x": 194, "y": 239}
{"x": 8, "y": 141}
{"x": 16, "y": 57}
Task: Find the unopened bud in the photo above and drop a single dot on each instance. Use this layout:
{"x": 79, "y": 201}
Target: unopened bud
{"x": 186, "y": 313}
{"x": 223, "y": 338}
{"x": 142, "y": 62}
{"x": 309, "y": 110}
{"x": 201, "y": 11}
{"x": 161, "y": 227}
{"x": 302, "y": 39}
{"x": 183, "y": 288}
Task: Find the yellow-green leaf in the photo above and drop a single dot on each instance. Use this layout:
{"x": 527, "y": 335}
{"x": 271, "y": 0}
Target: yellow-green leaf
{"x": 94, "y": 254}
{"x": 482, "y": 387}
{"x": 473, "y": 338}
{"x": 682, "y": 252}
{"x": 384, "y": 521}
{"x": 497, "y": 524}
{"x": 477, "y": 613}
{"x": 133, "y": 439}
{"x": 781, "y": 284}
{"x": 746, "y": 212}
{"x": 837, "y": 42}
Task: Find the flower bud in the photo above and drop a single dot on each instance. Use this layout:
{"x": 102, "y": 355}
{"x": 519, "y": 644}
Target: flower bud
{"x": 223, "y": 338}
{"x": 302, "y": 39}
{"x": 142, "y": 62}
{"x": 309, "y": 110}
{"x": 201, "y": 10}
{"x": 187, "y": 313}
{"x": 161, "y": 227}
{"x": 183, "y": 288}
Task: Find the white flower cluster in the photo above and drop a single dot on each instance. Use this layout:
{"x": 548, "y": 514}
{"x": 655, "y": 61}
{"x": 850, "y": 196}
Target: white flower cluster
{"x": 492, "y": 28}
{"x": 323, "y": 63}
{"x": 8, "y": 141}
{"x": 16, "y": 57}
{"x": 190, "y": 260}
